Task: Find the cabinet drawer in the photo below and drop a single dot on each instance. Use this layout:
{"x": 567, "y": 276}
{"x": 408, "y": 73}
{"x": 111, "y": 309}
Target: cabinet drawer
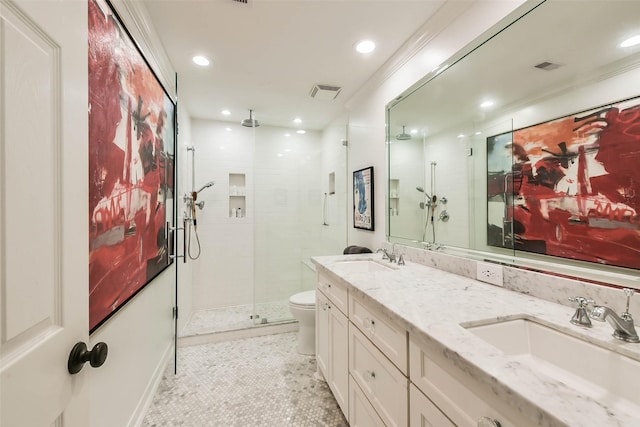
{"x": 361, "y": 413}
{"x": 454, "y": 397}
{"x": 386, "y": 388}
{"x": 386, "y": 335}
{"x": 336, "y": 293}
{"x": 423, "y": 413}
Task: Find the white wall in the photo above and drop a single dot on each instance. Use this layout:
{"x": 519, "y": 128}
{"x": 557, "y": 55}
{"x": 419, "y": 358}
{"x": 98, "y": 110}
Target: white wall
{"x": 456, "y": 24}
{"x": 139, "y": 335}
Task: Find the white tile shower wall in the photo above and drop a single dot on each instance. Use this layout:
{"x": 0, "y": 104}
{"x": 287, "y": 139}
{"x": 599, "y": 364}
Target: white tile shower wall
{"x": 282, "y": 197}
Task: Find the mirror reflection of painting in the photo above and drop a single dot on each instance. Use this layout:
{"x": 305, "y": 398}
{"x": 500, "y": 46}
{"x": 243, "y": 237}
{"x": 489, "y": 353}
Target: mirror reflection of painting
{"x": 363, "y": 199}
{"x": 569, "y": 187}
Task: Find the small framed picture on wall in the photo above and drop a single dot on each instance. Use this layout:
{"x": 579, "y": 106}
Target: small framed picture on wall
{"x": 363, "y": 199}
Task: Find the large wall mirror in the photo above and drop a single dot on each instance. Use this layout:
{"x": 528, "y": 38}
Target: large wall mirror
{"x": 527, "y": 148}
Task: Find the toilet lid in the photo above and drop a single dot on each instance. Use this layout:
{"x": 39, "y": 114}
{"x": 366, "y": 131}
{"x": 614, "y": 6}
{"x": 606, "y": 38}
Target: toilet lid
{"x": 304, "y": 298}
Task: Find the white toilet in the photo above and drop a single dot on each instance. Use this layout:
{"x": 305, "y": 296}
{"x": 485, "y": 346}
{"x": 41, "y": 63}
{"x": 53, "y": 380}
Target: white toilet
{"x": 303, "y": 308}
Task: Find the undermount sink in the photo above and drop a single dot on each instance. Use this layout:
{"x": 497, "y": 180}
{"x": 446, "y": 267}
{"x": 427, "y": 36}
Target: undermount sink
{"x": 595, "y": 371}
{"x": 362, "y": 266}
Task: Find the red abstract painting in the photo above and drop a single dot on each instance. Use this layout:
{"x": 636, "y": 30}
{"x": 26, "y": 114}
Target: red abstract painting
{"x": 569, "y": 187}
{"x": 131, "y": 157}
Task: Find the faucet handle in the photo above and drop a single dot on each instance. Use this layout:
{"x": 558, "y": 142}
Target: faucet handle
{"x": 629, "y": 293}
{"x": 582, "y": 301}
{"x": 580, "y": 317}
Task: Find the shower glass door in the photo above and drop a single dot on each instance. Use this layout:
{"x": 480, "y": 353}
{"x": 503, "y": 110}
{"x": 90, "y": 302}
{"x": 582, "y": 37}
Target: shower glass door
{"x": 298, "y": 213}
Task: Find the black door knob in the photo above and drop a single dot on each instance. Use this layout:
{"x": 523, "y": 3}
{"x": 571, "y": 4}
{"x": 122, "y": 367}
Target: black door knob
{"x": 80, "y": 355}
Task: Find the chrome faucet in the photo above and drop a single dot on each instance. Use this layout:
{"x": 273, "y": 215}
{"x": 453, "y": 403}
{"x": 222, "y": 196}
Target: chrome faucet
{"x": 623, "y": 328}
{"x": 390, "y": 256}
{"x": 384, "y": 253}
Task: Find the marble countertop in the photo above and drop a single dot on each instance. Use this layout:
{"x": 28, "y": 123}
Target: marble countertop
{"x": 432, "y": 304}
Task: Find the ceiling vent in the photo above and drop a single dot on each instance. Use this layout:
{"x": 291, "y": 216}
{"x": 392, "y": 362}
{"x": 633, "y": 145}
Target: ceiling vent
{"x": 548, "y": 66}
{"x": 324, "y": 92}
{"x": 241, "y": 1}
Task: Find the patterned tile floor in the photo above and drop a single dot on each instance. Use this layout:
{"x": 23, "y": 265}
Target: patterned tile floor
{"x": 252, "y": 382}
{"x": 234, "y": 318}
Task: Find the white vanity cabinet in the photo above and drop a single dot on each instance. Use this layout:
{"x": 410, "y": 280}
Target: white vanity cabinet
{"x": 461, "y": 402}
{"x": 332, "y": 338}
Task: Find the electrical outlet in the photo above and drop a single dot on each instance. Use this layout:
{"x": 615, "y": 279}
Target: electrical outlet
{"x": 489, "y": 273}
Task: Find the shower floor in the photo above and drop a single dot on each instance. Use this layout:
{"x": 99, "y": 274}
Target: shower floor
{"x": 234, "y": 318}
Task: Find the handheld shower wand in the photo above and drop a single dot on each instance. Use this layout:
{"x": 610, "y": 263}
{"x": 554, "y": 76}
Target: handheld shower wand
{"x": 194, "y": 197}
{"x": 207, "y": 185}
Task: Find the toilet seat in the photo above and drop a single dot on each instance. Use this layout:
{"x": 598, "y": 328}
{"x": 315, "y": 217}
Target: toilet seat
{"x": 304, "y": 299}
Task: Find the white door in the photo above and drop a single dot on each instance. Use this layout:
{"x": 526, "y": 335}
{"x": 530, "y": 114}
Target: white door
{"x": 43, "y": 211}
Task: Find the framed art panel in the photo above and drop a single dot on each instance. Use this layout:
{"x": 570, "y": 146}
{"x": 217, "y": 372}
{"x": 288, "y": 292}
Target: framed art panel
{"x": 363, "y": 199}
{"x": 131, "y": 167}
{"x": 569, "y": 187}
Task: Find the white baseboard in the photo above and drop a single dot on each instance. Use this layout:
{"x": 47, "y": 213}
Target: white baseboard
{"x": 150, "y": 391}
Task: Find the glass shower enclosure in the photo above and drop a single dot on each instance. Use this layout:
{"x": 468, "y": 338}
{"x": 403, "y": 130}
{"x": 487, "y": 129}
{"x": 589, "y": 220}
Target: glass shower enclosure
{"x": 299, "y": 212}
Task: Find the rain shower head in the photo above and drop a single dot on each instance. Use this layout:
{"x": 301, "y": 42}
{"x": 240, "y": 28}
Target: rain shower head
{"x": 250, "y": 122}
{"x": 207, "y": 185}
{"x": 420, "y": 189}
{"x": 403, "y": 136}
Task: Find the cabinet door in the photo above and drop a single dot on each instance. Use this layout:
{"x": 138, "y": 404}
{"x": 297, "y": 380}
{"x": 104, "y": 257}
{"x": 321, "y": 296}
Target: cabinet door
{"x": 322, "y": 334}
{"x": 339, "y": 357}
{"x": 423, "y": 413}
{"x": 361, "y": 413}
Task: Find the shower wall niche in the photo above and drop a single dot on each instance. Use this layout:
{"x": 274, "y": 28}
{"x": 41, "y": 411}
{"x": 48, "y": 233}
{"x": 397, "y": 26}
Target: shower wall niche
{"x": 394, "y": 197}
{"x": 237, "y": 195}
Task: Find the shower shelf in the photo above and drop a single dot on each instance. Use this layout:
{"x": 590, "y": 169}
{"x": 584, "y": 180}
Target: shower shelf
{"x": 237, "y": 195}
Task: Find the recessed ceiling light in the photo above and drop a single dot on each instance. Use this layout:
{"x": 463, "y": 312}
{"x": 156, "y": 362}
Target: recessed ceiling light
{"x": 365, "y": 46}
{"x": 414, "y": 131}
{"x": 228, "y": 129}
{"x": 287, "y": 134}
{"x": 461, "y": 135}
{"x": 287, "y": 150}
{"x": 200, "y": 60}
{"x": 486, "y": 104}
{"x": 301, "y": 131}
{"x": 632, "y": 41}
{"x": 279, "y": 154}
{"x": 477, "y": 133}
{"x": 297, "y": 120}
{"x": 225, "y": 112}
